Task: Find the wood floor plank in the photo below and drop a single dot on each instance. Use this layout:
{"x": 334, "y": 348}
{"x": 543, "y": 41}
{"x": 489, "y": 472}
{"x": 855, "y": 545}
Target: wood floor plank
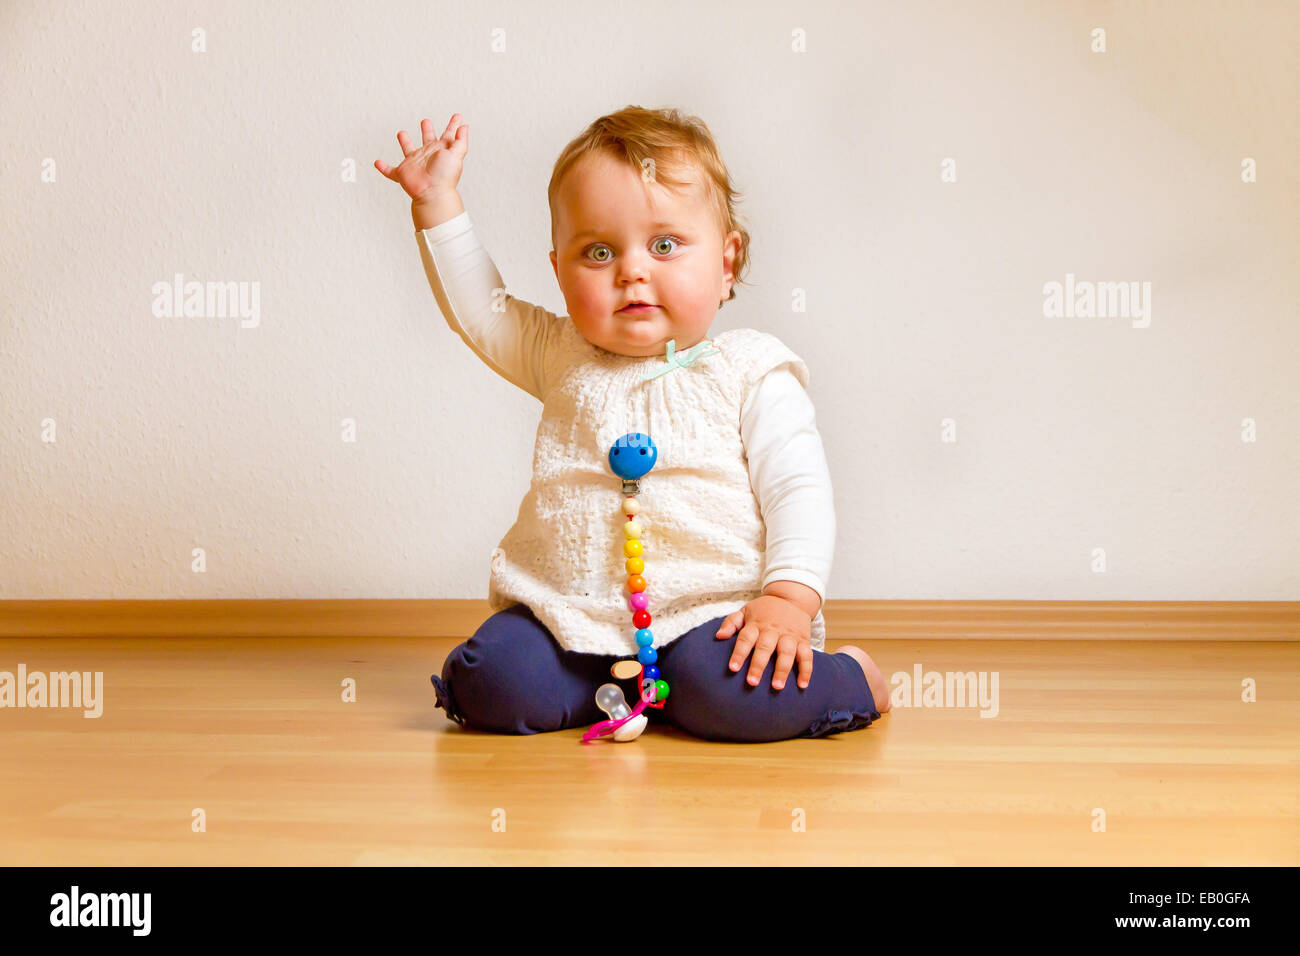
{"x": 845, "y": 620}
{"x": 254, "y": 732}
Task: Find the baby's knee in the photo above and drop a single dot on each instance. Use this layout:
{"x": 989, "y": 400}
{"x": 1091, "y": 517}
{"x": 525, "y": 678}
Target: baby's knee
{"x": 703, "y": 694}
{"x": 479, "y": 687}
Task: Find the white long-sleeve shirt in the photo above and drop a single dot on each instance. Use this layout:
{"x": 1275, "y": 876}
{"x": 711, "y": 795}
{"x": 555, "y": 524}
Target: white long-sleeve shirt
{"x": 786, "y": 461}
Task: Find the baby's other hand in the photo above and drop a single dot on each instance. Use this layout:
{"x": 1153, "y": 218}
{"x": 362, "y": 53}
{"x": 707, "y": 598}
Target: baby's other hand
{"x": 766, "y": 624}
{"x": 433, "y": 168}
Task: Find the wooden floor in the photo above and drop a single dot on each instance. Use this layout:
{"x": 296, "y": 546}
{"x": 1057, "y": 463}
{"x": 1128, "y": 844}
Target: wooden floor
{"x": 255, "y": 733}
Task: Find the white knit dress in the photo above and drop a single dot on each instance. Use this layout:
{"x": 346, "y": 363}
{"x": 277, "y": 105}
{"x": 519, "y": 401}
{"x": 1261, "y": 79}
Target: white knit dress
{"x": 703, "y": 531}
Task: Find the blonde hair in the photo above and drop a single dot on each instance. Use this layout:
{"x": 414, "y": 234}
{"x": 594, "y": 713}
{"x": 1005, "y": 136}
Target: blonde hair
{"x": 663, "y": 141}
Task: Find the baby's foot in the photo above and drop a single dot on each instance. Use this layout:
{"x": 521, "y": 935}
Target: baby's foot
{"x": 875, "y": 679}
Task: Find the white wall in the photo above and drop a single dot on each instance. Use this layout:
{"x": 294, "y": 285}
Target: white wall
{"x": 925, "y": 298}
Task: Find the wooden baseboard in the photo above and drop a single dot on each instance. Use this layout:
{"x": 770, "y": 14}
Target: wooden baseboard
{"x": 845, "y": 620}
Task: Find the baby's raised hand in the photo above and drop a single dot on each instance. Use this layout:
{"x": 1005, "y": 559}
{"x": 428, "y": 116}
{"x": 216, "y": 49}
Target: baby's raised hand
{"x": 765, "y": 624}
{"x": 434, "y": 167}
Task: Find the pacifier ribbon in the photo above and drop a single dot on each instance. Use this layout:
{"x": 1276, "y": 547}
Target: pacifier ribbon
{"x": 606, "y": 727}
{"x": 675, "y": 361}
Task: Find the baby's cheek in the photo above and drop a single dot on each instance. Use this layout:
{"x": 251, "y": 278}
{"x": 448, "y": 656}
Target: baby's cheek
{"x": 592, "y": 303}
{"x": 694, "y": 292}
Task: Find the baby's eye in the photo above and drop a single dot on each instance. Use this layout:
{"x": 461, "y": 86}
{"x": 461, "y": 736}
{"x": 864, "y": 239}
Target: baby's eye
{"x": 595, "y": 252}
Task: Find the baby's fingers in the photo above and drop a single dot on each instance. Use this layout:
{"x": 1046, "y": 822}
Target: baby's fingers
{"x": 744, "y": 643}
{"x": 730, "y": 624}
{"x": 785, "y": 652}
{"x": 788, "y": 651}
{"x": 805, "y": 658}
{"x": 767, "y": 641}
{"x": 452, "y": 127}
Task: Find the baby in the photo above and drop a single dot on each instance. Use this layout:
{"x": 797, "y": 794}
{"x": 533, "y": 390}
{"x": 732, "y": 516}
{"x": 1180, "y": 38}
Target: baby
{"x": 738, "y": 509}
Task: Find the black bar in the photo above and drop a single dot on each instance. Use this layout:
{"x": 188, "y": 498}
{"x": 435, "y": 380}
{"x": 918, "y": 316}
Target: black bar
{"x": 918, "y": 906}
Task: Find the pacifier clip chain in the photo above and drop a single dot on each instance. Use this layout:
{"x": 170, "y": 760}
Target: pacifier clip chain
{"x": 631, "y": 458}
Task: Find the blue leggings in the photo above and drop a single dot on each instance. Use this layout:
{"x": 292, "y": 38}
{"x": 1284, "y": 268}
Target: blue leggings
{"x": 512, "y": 677}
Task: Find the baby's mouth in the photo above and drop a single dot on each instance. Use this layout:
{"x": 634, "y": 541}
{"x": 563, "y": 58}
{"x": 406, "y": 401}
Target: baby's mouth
{"x": 638, "y": 308}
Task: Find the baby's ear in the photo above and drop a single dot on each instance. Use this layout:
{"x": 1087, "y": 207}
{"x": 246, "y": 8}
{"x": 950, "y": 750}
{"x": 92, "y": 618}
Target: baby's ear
{"x": 555, "y": 265}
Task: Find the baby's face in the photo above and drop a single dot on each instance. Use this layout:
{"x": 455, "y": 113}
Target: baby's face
{"x": 616, "y": 241}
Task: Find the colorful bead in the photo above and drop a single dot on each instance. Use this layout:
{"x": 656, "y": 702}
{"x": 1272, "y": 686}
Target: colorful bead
{"x": 625, "y": 669}
{"x": 632, "y": 456}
